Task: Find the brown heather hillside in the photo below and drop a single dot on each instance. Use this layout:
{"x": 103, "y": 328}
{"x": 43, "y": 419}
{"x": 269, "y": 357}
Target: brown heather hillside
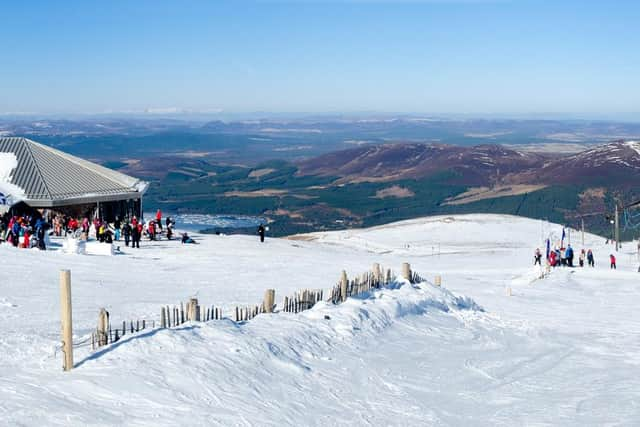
{"x": 614, "y": 164}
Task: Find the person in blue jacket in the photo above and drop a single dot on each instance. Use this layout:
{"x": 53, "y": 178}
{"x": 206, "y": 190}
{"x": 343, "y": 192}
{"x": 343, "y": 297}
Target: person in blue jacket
{"x": 15, "y": 231}
{"x": 569, "y": 255}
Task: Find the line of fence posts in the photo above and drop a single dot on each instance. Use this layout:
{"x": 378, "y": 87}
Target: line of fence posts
{"x": 178, "y": 315}
{"x": 106, "y": 334}
{"x": 302, "y": 300}
{"x": 169, "y": 317}
{"x": 373, "y": 279}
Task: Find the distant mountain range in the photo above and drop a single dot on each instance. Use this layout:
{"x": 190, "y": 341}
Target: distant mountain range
{"x": 254, "y": 141}
{"x": 616, "y": 163}
{"x": 375, "y": 184}
{"x": 476, "y": 165}
{"x": 315, "y": 173}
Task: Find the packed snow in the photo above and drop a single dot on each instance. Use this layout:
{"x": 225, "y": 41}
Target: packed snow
{"x": 561, "y": 350}
{"x": 10, "y": 194}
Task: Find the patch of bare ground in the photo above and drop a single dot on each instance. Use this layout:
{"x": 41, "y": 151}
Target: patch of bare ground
{"x": 483, "y": 193}
{"x": 394, "y": 191}
{"x": 284, "y": 212}
{"x": 267, "y": 192}
{"x": 259, "y": 173}
{"x": 363, "y": 179}
{"x": 196, "y": 154}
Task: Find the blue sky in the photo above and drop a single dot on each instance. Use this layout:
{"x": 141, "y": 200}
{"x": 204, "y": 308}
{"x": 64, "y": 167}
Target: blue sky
{"x": 518, "y": 56}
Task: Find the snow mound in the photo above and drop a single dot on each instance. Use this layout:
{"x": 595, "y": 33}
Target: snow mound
{"x": 366, "y": 315}
{"x": 10, "y": 194}
{"x": 223, "y": 367}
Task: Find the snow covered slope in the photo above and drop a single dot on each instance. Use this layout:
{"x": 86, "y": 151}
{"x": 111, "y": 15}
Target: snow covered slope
{"x": 561, "y": 350}
{"x": 10, "y": 194}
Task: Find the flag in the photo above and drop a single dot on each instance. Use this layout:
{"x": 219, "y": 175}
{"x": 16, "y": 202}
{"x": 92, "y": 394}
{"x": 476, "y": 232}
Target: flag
{"x": 563, "y": 236}
{"x": 548, "y": 248}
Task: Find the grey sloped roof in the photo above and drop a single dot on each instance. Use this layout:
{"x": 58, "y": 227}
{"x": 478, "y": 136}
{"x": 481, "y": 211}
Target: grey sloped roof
{"x": 50, "y": 177}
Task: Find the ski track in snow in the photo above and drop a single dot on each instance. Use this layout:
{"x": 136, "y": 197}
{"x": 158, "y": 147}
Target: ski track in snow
{"x": 560, "y": 351}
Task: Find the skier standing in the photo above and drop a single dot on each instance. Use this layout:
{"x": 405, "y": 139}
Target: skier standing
{"x": 612, "y": 258}
{"x": 169, "y": 228}
{"x": 159, "y": 219}
{"x": 261, "y": 231}
{"x": 40, "y": 232}
{"x": 151, "y": 229}
{"x": 126, "y": 231}
{"x": 116, "y": 228}
{"x": 537, "y": 256}
{"x": 569, "y": 255}
{"x": 136, "y": 231}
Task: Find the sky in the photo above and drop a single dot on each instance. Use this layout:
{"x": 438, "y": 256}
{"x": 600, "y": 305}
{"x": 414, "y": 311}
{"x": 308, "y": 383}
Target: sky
{"x": 429, "y": 56}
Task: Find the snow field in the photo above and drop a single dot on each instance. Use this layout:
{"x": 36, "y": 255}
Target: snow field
{"x": 559, "y": 351}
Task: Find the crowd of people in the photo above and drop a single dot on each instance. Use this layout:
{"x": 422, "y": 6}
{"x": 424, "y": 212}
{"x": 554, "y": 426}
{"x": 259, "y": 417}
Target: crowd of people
{"x": 563, "y": 257}
{"x": 23, "y": 231}
{"x": 31, "y": 231}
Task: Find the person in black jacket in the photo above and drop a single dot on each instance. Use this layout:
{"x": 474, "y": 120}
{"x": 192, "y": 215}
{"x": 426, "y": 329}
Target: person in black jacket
{"x": 261, "y": 231}
{"x": 40, "y": 233}
{"x": 126, "y": 231}
{"x": 170, "y": 225}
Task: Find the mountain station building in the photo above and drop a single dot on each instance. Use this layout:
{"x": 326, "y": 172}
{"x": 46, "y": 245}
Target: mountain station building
{"x": 58, "y": 182}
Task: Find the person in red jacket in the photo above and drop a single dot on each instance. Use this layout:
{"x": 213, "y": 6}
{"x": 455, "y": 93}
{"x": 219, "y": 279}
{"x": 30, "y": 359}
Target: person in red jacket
{"x": 159, "y": 219}
{"x": 136, "y": 232}
{"x": 612, "y": 258}
{"x": 27, "y": 237}
{"x": 552, "y": 259}
{"x": 151, "y": 229}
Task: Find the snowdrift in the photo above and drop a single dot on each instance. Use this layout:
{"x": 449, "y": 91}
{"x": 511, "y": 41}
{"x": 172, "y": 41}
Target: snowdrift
{"x": 219, "y": 368}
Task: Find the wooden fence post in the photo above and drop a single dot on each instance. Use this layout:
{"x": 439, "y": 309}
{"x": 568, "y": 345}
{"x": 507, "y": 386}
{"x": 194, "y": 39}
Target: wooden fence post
{"x": 406, "y": 271}
{"x": 103, "y": 327}
{"x": 163, "y": 318}
{"x": 192, "y": 309}
{"x": 344, "y": 283}
{"x": 269, "y": 300}
{"x": 377, "y": 272}
{"x": 65, "y": 311}
{"x": 438, "y": 281}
